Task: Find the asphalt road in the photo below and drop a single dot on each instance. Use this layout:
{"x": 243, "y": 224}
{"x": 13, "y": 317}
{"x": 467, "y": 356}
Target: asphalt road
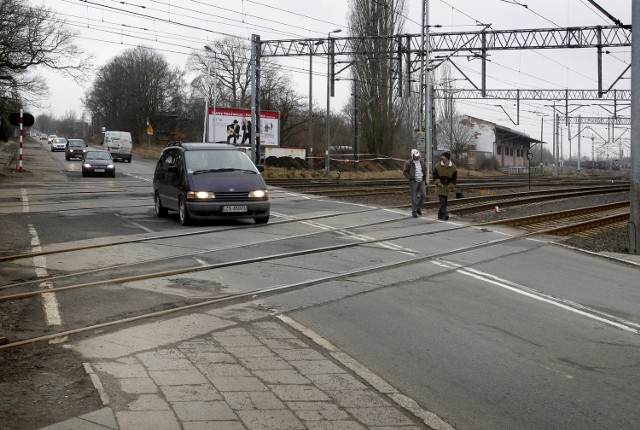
{"x": 524, "y": 334}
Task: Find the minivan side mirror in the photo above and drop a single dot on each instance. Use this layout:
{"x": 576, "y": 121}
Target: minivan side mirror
{"x": 173, "y": 169}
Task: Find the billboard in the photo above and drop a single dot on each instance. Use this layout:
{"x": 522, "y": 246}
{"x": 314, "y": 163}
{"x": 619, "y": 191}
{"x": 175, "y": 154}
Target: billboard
{"x": 223, "y": 117}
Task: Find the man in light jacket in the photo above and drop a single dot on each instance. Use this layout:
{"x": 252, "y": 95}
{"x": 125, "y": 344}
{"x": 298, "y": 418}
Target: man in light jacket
{"x": 416, "y": 172}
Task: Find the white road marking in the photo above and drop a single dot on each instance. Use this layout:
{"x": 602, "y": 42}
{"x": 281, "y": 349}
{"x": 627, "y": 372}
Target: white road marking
{"x": 201, "y": 261}
{"x": 49, "y": 300}
{"x": 628, "y": 326}
{"x": 148, "y": 230}
{"x": 25, "y": 201}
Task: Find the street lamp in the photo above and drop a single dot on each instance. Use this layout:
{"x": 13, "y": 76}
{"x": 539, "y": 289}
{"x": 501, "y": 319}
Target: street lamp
{"x": 329, "y": 51}
{"x": 206, "y": 102}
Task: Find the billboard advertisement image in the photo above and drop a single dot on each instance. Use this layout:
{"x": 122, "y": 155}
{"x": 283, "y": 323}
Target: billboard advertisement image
{"x": 233, "y": 125}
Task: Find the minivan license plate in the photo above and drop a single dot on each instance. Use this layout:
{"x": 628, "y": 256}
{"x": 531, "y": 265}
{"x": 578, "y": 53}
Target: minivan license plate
{"x": 234, "y": 209}
{"x": 99, "y": 170}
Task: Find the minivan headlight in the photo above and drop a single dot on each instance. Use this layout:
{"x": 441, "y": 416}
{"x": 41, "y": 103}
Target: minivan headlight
{"x": 258, "y": 194}
{"x": 200, "y": 195}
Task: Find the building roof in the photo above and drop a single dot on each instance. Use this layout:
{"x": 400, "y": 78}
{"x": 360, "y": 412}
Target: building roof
{"x": 515, "y": 134}
{"x": 506, "y": 132}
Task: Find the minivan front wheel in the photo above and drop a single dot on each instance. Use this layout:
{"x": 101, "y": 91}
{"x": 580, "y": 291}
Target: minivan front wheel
{"x": 183, "y": 212}
{"x": 262, "y": 220}
{"x": 161, "y": 211}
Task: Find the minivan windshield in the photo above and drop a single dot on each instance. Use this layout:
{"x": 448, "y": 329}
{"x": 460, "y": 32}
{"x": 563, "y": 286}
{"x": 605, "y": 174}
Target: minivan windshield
{"x": 206, "y": 161}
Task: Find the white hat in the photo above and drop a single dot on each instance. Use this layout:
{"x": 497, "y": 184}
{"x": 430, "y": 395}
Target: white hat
{"x": 415, "y": 152}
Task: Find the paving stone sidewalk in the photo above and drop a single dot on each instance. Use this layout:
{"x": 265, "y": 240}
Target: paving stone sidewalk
{"x": 236, "y": 368}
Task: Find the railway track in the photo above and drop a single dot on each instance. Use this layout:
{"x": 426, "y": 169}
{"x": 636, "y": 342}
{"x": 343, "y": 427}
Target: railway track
{"x": 574, "y": 220}
{"x": 334, "y": 240}
{"x": 480, "y": 203}
{"x": 220, "y": 298}
{"x": 311, "y": 183}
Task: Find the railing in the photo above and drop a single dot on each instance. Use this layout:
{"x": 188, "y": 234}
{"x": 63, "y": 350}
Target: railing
{"x": 522, "y": 170}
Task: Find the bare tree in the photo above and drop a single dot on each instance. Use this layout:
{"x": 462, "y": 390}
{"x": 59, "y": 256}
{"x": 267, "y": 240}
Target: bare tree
{"x": 133, "y": 88}
{"x": 373, "y": 72}
{"x": 451, "y": 133}
{"x": 232, "y": 59}
{"x": 32, "y": 37}
{"x": 232, "y": 62}
{"x": 67, "y": 124}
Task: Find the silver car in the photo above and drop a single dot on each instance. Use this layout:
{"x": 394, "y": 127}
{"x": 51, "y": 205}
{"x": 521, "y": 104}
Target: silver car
{"x": 58, "y": 144}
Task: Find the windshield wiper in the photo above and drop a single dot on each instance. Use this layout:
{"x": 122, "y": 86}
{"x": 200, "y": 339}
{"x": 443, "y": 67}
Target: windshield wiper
{"x": 225, "y": 169}
{"x": 206, "y": 171}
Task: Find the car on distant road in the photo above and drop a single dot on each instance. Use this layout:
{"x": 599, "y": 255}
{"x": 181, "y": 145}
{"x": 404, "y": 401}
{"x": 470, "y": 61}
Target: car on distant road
{"x": 43, "y": 136}
{"x": 98, "y": 162}
{"x": 50, "y": 138}
{"x": 75, "y": 149}
{"x": 118, "y": 143}
{"x": 209, "y": 180}
{"x": 58, "y": 144}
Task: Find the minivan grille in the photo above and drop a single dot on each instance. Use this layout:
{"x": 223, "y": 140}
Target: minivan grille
{"x": 236, "y": 197}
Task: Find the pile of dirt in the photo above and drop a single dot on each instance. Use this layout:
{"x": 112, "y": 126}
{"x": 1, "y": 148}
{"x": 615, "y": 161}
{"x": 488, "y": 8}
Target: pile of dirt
{"x": 286, "y": 162}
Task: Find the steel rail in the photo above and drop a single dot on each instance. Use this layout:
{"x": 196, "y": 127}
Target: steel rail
{"x": 263, "y": 292}
{"x": 197, "y": 253}
{"x": 508, "y": 200}
{"x": 533, "y": 219}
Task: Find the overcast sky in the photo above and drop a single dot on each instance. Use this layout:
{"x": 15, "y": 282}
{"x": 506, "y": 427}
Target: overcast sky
{"x": 107, "y": 27}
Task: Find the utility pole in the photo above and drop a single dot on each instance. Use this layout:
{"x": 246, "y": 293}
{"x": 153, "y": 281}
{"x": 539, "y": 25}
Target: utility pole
{"x": 634, "y": 175}
{"x": 555, "y": 143}
{"x": 541, "y": 140}
{"x": 255, "y": 99}
{"x": 330, "y": 89}
{"x": 355, "y": 127}
{"x": 424, "y": 87}
{"x": 310, "y": 144}
{"x": 579, "y": 139}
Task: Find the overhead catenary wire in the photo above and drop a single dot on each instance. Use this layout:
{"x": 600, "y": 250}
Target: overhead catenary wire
{"x": 176, "y": 11}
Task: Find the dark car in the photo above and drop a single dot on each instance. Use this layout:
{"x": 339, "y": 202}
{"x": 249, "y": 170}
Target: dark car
{"x": 75, "y": 149}
{"x": 98, "y": 162}
{"x": 209, "y": 180}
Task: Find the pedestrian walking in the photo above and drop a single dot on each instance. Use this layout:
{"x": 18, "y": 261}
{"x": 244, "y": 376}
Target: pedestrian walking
{"x": 445, "y": 177}
{"x": 415, "y": 171}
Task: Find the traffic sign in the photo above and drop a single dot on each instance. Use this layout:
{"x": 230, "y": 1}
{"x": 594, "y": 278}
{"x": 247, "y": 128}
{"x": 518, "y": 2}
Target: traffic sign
{"x": 149, "y": 130}
{"x": 27, "y": 119}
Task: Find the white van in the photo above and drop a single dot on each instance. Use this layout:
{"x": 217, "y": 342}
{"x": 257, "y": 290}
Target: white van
{"x": 118, "y": 143}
